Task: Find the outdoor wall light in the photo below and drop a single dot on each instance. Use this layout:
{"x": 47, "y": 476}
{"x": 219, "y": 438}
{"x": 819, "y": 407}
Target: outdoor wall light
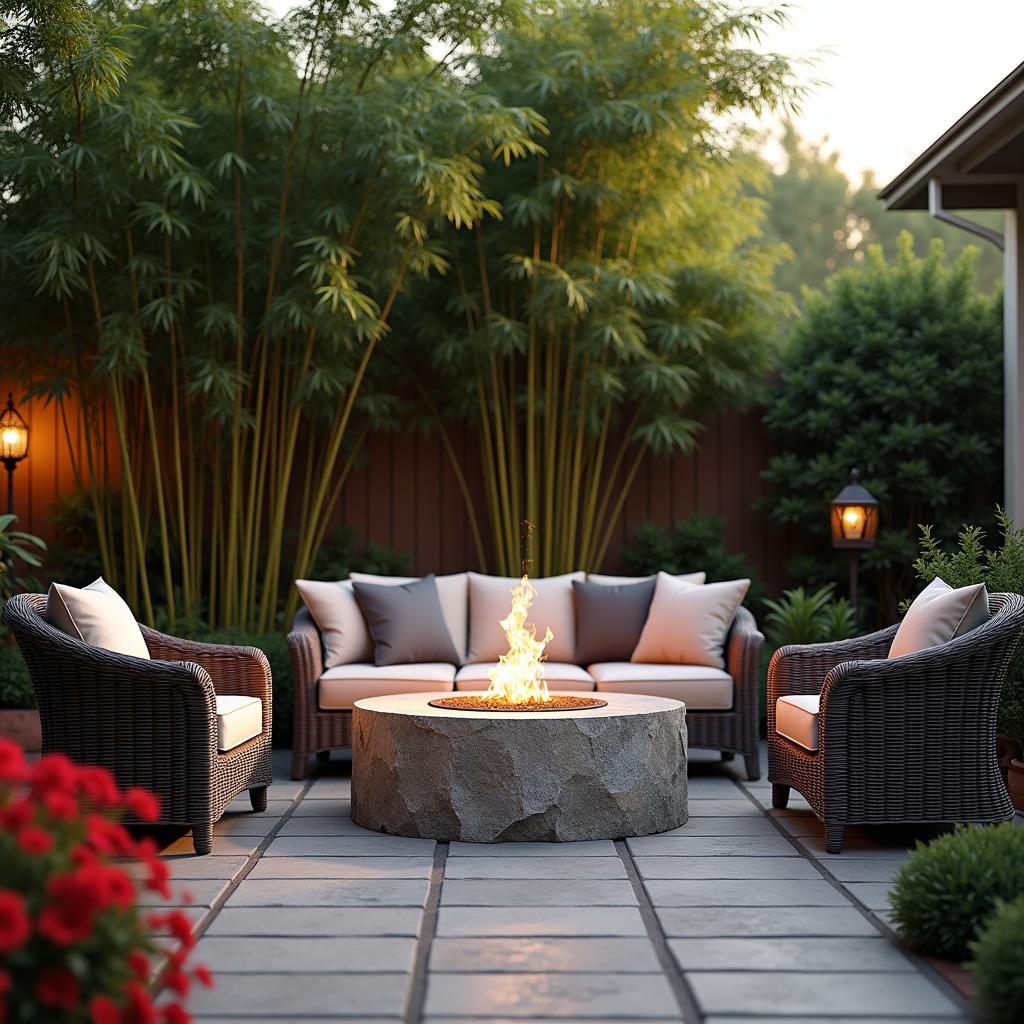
{"x": 854, "y": 516}
{"x": 13, "y": 445}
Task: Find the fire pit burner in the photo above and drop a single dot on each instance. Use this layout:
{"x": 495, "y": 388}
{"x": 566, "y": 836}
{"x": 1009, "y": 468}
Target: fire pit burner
{"x": 554, "y": 703}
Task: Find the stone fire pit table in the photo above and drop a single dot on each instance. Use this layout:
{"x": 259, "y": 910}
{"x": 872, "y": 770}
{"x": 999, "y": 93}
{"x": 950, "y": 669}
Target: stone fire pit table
{"x": 519, "y": 776}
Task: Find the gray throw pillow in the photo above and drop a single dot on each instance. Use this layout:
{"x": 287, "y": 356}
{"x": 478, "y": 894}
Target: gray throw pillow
{"x": 405, "y": 622}
{"x": 610, "y": 619}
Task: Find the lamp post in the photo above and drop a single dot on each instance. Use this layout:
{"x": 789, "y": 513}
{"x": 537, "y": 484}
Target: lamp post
{"x": 13, "y": 445}
{"x": 854, "y": 516}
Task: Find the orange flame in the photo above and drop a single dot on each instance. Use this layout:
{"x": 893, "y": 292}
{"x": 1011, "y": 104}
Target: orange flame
{"x": 518, "y": 678}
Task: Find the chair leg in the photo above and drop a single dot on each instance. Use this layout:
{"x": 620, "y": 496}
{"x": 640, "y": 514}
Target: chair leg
{"x": 780, "y": 796}
{"x": 300, "y": 761}
{"x": 202, "y": 837}
{"x": 323, "y": 756}
{"x": 728, "y": 755}
{"x": 753, "y": 766}
{"x": 834, "y": 834}
{"x": 258, "y": 798}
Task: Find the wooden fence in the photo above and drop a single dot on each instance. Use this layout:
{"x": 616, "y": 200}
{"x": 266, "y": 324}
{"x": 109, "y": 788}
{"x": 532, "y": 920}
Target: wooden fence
{"x": 403, "y": 494}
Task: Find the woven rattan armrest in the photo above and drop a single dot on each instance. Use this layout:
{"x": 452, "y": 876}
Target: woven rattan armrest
{"x": 743, "y": 656}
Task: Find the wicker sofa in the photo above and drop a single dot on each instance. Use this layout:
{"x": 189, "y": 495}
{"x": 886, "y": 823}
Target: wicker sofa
{"x": 152, "y": 723}
{"x": 728, "y": 722}
{"x": 910, "y": 739}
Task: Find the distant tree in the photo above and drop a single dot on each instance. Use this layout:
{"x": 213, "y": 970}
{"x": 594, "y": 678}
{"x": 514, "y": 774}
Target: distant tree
{"x": 828, "y": 221}
{"x": 895, "y": 368}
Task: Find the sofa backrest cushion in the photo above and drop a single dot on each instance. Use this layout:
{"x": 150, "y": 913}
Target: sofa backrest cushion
{"x": 405, "y": 622}
{"x": 687, "y": 623}
{"x": 336, "y": 613}
{"x": 453, "y": 593}
{"x": 621, "y": 581}
{"x": 490, "y": 598}
{"x": 96, "y": 615}
{"x": 940, "y": 614}
{"x": 610, "y": 619}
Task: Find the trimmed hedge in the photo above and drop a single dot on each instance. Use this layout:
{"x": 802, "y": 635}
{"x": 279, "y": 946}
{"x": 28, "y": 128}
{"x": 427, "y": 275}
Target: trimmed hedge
{"x": 999, "y": 964}
{"x": 947, "y": 889}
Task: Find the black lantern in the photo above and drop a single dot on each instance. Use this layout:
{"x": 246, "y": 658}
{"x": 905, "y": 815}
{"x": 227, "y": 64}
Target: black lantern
{"x": 13, "y": 445}
{"x": 854, "y": 516}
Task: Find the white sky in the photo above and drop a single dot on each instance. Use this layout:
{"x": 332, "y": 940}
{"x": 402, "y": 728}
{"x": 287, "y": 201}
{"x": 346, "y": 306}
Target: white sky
{"x": 897, "y": 73}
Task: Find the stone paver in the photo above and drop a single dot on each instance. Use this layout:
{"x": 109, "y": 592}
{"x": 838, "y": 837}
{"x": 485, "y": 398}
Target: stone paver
{"x": 737, "y": 916}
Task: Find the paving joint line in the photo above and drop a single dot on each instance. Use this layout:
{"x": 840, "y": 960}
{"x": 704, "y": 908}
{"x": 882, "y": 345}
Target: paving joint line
{"x": 419, "y": 978}
{"x": 684, "y": 995}
{"x": 923, "y": 966}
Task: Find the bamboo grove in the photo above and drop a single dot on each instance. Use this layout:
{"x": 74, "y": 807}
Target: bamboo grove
{"x": 232, "y": 245}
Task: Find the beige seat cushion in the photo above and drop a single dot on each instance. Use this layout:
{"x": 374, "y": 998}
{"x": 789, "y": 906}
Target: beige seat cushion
{"x": 238, "y": 719}
{"x": 96, "y": 615}
{"x": 796, "y": 718}
{"x": 490, "y": 598}
{"x": 688, "y": 624}
{"x": 336, "y": 613}
{"x": 621, "y": 581}
{"x": 340, "y": 687}
{"x": 559, "y": 675}
{"x": 699, "y": 687}
{"x": 940, "y": 614}
{"x": 453, "y": 593}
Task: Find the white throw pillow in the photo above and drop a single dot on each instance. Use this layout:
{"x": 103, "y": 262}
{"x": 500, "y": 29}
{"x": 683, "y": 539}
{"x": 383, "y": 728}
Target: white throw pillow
{"x": 341, "y": 623}
{"x": 490, "y": 598}
{"x": 453, "y": 593}
{"x": 940, "y": 614}
{"x": 687, "y": 624}
{"x": 622, "y": 581}
{"x": 96, "y": 615}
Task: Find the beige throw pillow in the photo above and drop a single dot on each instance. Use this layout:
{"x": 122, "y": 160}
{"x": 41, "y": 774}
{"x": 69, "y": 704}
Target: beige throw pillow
{"x": 96, "y": 615}
{"x": 341, "y": 623}
{"x": 622, "y": 581}
{"x": 490, "y": 598}
{"x": 940, "y": 614}
{"x": 453, "y": 592}
{"x": 687, "y": 623}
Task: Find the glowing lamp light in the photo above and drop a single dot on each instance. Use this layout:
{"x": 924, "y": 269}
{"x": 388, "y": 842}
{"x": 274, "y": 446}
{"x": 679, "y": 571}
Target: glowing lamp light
{"x": 854, "y": 516}
{"x": 13, "y": 445}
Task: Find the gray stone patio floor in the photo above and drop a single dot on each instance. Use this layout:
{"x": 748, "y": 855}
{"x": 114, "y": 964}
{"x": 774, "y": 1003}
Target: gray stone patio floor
{"x": 739, "y": 915}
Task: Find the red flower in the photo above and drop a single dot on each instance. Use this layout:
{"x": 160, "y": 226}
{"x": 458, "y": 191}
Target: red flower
{"x": 159, "y": 873}
{"x": 138, "y": 964}
{"x": 142, "y": 804}
{"x": 179, "y": 981}
{"x": 118, "y": 887}
{"x": 12, "y": 761}
{"x": 74, "y": 900}
{"x": 5, "y": 982}
{"x": 60, "y": 805}
{"x": 181, "y": 928}
{"x": 54, "y": 773}
{"x": 17, "y": 815}
{"x": 203, "y": 976}
{"x": 97, "y": 785}
{"x": 14, "y": 921}
{"x": 56, "y": 986}
{"x": 174, "y": 1013}
{"x": 140, "y": 1008}
{"x": 34, "y": 840}
{"x": 104, "y": 1010}
{"x": 106, "y": 836}
{"x": 64, "y": 926}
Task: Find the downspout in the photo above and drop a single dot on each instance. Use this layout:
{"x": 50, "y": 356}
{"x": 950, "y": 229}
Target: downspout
{"x": 935, "y": 208}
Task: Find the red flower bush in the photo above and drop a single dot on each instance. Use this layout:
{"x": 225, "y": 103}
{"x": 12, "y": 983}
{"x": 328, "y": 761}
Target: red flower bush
{"x": 74, "y": 946}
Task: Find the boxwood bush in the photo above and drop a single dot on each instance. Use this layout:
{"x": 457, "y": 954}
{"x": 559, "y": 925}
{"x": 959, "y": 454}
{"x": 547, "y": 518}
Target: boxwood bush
{"x": 947, "y": 889}
{"x": 999, "y": 964}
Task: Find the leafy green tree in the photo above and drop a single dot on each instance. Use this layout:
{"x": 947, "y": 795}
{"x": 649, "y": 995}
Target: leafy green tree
{"x": 622, "y": 293}
{"x": 895, "y": 368}
{"x": 829, "y": 222}
{"x": 210, "y": 216}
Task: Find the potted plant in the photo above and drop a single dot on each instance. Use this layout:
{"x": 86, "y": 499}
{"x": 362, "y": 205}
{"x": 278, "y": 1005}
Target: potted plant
{"x": 74, "y": 944}
{"x": 19, "y": 720}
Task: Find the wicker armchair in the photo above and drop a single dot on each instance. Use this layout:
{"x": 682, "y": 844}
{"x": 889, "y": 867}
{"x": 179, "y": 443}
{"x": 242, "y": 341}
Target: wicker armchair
{"x": 151, "y": 723}
{"x": 906, "y": 740}
{"x": 733, "y": 732}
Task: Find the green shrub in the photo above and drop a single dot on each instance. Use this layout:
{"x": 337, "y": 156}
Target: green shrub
{"x": 999, "y": 964}
{"x": 946, "y": 891}
{"x": 802, "y": 618}
{"x": 692, "y": 545}
{"x": 1001, "y": 569}
{"x": 15, "y": 685}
